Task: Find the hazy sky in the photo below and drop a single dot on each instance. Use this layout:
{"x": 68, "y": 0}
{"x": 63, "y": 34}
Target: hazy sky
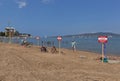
{"x": 60, "y": 17}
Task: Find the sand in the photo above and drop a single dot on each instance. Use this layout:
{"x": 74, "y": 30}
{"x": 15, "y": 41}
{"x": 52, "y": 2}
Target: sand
{"x": 18, "y": 63}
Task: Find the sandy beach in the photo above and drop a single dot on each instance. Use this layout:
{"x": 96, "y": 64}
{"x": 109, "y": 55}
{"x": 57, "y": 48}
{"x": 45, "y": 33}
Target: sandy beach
{"x": 18, "y": 63}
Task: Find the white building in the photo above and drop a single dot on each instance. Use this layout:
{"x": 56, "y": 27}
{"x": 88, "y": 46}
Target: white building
{"x": 9, "y": 31}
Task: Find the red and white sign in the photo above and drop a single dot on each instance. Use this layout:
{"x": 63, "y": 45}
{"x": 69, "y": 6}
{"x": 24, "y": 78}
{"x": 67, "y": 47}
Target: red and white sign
{"x": 102, "y": 39}
{"x": 59, "y": 38}
{"x": 37, "y": 37}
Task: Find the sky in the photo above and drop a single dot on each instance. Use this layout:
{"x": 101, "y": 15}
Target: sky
{"x": 60, "y": 17}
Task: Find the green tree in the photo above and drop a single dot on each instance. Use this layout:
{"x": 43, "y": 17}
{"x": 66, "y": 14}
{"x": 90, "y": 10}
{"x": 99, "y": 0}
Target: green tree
{"x": 2, "y": 33}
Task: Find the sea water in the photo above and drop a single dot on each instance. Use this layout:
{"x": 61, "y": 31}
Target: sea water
{"x": 89, "y": 44}
{"x": 86, "y": 44}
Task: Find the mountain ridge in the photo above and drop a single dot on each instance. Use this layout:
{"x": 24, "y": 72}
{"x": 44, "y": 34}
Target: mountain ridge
{"x": 94, "y": 34}
{"x": 109, "y": 34}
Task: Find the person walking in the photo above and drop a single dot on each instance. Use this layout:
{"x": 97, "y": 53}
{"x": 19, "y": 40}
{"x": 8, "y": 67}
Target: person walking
{"x": 73, "y": 46}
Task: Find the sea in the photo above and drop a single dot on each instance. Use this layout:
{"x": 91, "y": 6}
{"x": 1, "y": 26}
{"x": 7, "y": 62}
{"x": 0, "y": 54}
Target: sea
{"x": 90, "y": 44}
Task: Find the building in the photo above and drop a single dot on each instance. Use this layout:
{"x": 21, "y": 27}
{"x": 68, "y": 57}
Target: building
{"x": 9, "y": 31}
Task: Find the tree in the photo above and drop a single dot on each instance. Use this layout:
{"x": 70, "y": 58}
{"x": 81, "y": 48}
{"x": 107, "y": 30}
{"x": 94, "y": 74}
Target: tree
{"x": 2, "y": 33}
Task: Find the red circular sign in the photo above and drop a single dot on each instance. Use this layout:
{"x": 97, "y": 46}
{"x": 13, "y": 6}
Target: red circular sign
{"x": 102, "y": 39}
{"x": 59, "y": 38}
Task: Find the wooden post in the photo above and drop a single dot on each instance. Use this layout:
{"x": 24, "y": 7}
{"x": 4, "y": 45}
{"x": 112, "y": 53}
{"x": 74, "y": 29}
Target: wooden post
{"x": 59, "y": 46}
{"x": 38, "y": 42}
{"x": 59, "y": 38}
{"x": 103, "y": 52}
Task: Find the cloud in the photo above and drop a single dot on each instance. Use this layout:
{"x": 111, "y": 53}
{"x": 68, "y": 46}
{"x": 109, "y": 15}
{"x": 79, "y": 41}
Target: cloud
{"x": 21, "y": 4}
{"x": 46, "y": 1}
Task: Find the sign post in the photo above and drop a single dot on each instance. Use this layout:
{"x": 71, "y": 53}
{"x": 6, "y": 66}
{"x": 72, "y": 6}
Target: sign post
{"x": 38, "y": 40}
{"x": 103, "y": 40}
{"x": 59, "y": 38}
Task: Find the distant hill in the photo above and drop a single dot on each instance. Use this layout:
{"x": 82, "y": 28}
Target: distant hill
{"x": 94, "y": 34}
{"x": 109, "y": 34}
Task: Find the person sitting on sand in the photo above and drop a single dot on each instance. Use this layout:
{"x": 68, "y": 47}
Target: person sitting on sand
{"x": 23, "y": 42}
{"x": 53, "y": 49}
{"x": 43, "y": 49}
{"x": 26, "y": 43}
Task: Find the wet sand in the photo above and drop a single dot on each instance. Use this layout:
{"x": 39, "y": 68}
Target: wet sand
{"x": 18, "y": 63}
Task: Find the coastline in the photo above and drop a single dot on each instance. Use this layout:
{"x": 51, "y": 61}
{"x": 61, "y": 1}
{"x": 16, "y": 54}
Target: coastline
{"x": 19, "y": 63}
{"x": 83, "y": 44}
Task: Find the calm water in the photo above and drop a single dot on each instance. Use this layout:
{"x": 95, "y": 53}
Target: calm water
{"x": 82, "y": 43}
{"x": 89, "y": 44}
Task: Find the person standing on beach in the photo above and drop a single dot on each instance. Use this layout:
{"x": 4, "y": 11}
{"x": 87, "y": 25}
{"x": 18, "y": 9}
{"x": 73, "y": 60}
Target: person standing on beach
{"x": 73, "y": 46}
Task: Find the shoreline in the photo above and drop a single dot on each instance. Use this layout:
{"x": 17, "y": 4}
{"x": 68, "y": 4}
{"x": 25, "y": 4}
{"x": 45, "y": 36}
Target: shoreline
{"x": 92, "y": 46}
{"x": 111, "y": 56}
